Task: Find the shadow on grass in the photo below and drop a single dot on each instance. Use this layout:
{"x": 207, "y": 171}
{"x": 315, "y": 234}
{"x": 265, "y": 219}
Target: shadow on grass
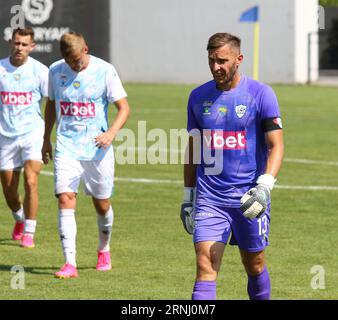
{"x": 42, "y": 270}
{"x": 9, "y": 242}
{"x": 33, "y": 270}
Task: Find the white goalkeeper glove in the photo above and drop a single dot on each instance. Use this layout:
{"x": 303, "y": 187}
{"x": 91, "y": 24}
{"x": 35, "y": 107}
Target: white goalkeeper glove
{"x": 255, "y": 201}
{"x": 188, "y": 209}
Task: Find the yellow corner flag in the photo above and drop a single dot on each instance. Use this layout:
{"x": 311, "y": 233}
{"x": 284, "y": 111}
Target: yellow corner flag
{"x": 251, "y": 15}
{"x": 256, "y": 52}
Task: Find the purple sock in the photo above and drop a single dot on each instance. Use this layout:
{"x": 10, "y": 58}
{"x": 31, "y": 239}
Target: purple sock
{"x": 204, "y": 290}
{"x": 259, "y": 286}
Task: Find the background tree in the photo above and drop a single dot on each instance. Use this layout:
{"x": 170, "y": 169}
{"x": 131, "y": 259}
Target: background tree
{"x": 328, "y": 2}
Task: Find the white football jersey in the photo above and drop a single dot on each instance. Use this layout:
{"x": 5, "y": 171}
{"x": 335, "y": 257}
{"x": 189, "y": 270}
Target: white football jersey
{"x": 81, "y": 101}
{"x": 21, "y": 92}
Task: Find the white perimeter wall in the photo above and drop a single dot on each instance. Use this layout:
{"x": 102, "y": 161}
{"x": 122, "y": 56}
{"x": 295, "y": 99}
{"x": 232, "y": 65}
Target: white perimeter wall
{"x": 165, "y": 41}
{"x": 306, "y": 22}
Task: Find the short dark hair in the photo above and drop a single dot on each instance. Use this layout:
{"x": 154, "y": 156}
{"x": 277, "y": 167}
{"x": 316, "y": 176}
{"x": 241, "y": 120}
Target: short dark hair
{"x": 28, "y": 31}
{"x": 220, "y": 39}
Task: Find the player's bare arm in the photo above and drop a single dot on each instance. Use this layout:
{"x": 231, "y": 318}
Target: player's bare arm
{"x": 255, "y": 201}
{"x": 189, "y": 192}
{"x": 106, "y": 138}
{"x": 274, "y": 141}
{"x": 189, "y": 166}
{"x": 50, "y": 117}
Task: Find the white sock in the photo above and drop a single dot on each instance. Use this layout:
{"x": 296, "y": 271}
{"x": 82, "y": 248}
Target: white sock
{"x": 105, "y": 224}
{"x": 67, "y": 232}
{"x": 18, "y": 215}
{"x": 30, "y": 226}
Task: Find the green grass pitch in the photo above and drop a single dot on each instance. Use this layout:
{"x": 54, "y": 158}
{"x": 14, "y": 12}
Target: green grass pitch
{"x": 152, "y": 256}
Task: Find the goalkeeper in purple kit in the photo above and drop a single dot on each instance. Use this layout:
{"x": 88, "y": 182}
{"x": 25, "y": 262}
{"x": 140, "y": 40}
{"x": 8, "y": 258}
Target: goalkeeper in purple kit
{"x": 236, "y": 123}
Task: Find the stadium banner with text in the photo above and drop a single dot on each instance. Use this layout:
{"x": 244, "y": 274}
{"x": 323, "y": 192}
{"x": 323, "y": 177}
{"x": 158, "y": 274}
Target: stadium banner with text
{"x": 51, "y": 18}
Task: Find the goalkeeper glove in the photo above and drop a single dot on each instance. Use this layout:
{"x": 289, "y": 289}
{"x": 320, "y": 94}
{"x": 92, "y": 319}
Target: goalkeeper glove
{"x": 188, "y": 210}
{"x": 255, "y": 201}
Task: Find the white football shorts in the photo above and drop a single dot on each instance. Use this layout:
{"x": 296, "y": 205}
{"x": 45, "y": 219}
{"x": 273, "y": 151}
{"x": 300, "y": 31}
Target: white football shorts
{"x": 14, "y": 152}
{"x": 97, "y": 175}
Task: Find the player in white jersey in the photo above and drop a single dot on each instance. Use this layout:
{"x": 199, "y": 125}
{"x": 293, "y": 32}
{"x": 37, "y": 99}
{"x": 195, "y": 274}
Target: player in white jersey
{"x": 23, "y": 84}
{"x": 81, "y": 87}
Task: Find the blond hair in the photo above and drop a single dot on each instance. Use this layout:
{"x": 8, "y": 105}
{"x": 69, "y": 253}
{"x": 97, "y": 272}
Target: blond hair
{"x": 71, "y": 42}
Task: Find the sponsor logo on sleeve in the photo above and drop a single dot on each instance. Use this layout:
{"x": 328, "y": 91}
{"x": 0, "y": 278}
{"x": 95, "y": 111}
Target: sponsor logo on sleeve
{"x": 207, "y": 104}
{"x": 63, "y": 79}
{"x": 206, "y": 111}
{"x": 278, "y": 122}
{"x": 206, "y": 107}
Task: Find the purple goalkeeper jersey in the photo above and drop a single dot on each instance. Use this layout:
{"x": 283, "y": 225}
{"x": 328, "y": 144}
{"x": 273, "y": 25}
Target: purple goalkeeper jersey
{"x": 229, "y": 125}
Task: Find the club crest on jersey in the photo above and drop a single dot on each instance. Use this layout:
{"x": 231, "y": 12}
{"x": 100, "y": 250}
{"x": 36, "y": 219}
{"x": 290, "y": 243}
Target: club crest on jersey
{"x": 17, "y": 77}
{"x": 240, "y": 110}
{"x": 76, "y": 84}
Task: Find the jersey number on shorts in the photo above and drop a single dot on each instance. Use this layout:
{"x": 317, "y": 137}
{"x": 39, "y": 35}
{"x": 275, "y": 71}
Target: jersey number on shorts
{"x": 262, "y": 225}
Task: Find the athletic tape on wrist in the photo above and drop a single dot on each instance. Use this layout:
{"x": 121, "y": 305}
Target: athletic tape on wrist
{"x": 189, "y": 194}
{"x": 267, "y": 180}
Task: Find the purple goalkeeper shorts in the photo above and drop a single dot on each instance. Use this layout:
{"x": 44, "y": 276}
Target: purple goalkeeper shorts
{"x": 216, "y": 223}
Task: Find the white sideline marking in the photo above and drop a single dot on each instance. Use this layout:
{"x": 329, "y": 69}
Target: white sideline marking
{"x": 164, "y": 181}
{"x": 308, "y": 161}
{"x": 324, "y": 188}
{"x": 158, "y": 181}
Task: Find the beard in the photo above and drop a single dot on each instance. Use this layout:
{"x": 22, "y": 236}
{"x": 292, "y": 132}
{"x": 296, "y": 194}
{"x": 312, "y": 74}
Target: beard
{"x": 226, "y": 78}
{"x": 17, "y": 58}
